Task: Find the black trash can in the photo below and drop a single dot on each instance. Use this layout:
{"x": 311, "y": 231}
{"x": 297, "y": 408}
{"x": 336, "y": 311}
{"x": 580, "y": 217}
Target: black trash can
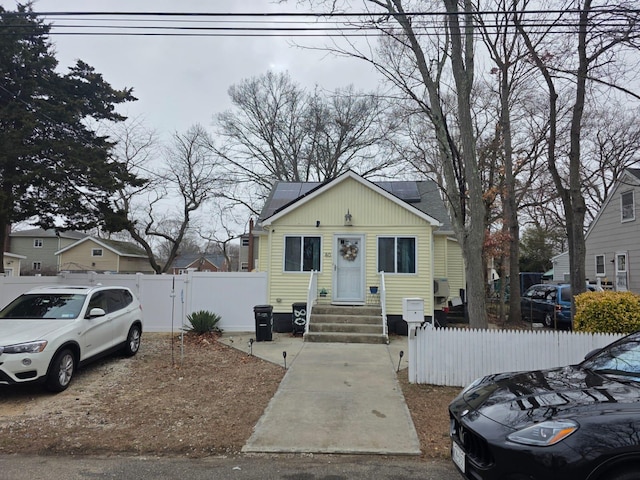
{"x": 299, "y": 317}
{"x": 264, "y": 322}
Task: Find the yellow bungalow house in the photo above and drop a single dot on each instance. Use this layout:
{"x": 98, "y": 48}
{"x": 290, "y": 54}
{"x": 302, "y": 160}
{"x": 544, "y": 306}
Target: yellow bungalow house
{"x": 328, "y": 244}
{"x": 102, "y": 255}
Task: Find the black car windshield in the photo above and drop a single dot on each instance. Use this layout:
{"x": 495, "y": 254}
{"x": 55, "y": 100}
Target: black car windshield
{"x": 50, "y": 306}
{"x": 621, "y": 358}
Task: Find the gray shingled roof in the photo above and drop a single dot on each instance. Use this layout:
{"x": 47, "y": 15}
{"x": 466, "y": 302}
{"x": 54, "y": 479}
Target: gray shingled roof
{"x": 183, "y": 261}
{"x": 124, "y": 248}
{"x": 48, "y": 233}
{"x": 634, "y": 171}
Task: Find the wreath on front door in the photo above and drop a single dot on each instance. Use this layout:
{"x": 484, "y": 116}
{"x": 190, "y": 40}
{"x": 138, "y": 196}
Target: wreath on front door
{"x": 349, "y": 251}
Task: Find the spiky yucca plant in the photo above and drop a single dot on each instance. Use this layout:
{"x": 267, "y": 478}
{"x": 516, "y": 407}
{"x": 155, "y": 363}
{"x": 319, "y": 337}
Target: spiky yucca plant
{"x": 203, "y": 322}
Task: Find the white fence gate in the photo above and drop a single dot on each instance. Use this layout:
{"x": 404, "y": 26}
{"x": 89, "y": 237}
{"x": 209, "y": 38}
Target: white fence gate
{"x": 167, "y": 299}
{"x": 456, "y": 357}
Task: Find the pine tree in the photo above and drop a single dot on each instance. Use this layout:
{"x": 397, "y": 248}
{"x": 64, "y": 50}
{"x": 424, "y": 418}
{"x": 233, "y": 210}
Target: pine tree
{"x": 55, "y": 171}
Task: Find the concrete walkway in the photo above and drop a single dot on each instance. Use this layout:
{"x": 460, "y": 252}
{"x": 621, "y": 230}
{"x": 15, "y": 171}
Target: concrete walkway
{"x": 336, "y": 398}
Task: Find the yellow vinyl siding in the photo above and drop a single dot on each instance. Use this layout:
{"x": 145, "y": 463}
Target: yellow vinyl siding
{"x": 455, "y": 268}
{"x": 80, "y": 258}
{"x": 135, "y": 265}
{"x": 366, "y": 207}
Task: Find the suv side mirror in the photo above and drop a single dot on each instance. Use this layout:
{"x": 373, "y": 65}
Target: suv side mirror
{"x": 96, "y": 312}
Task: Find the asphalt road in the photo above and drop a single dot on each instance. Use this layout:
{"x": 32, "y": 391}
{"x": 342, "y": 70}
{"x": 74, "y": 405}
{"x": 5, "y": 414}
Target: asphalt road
{"x": 254, "y": 467}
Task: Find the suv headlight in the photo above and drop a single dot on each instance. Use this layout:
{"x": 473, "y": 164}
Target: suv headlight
{"x": 544, "y": 434}
{"x": 29, "y": 347}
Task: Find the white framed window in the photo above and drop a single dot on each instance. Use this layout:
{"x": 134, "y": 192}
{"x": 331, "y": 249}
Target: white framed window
{"x": 397, "y": 254}
{"x": 245, "y": 241}
{"x": 96, "y": 252}
{"x": 600, "y": 266}
{"x": 244, "y": 266}
{"x": 627, "y": 206}
{"x": 302, "y": 253}
{"x": 37, "y": 266}
{"x": 37, "y": 243}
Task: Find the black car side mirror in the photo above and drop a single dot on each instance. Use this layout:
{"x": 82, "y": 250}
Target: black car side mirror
{"x": 592, "y": 353}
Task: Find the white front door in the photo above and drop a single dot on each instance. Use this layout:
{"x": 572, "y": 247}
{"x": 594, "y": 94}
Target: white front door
{"x": 622, "y": 272}
{"x": 348, "y": 281}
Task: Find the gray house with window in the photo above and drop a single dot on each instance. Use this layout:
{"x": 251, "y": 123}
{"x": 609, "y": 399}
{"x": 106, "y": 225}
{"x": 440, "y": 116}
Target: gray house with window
{"x": 613, "y": 239}
{"x": 38, "y": 247}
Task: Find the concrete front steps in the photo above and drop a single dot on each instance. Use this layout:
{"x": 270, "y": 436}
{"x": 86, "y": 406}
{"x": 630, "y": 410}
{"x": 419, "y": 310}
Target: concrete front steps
{"x": 346, "y": 324}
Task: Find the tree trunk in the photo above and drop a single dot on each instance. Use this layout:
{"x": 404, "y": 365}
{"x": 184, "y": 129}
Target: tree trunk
{"x": 510, "y": 214}
{"x": 462, "y": 68}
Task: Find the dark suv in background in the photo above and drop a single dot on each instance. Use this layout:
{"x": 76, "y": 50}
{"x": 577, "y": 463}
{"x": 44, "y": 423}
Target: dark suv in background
{"x": 549, "y": 304}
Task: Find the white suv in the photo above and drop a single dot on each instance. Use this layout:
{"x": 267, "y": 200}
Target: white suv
{"x": 47, "y": 332}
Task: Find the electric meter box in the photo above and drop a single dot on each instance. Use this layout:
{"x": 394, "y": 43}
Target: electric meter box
{"x": 413, "y": 309}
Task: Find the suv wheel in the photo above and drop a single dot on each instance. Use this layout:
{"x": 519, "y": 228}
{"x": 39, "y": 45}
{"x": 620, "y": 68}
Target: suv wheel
{"x": 61, "y": 371}
{"x": 132, "y": 345}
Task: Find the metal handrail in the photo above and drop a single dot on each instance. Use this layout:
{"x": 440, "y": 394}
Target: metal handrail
{"x": 383, "y": 301}
{"x": 312, "y": 297}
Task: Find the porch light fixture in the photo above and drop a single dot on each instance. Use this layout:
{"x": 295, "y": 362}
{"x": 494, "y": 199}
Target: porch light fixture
{"x": 347, "y": 219}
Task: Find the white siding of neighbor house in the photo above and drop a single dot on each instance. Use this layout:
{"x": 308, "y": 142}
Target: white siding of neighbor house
{"x": 608, "y": 235}
{"x": 560, "y": 267}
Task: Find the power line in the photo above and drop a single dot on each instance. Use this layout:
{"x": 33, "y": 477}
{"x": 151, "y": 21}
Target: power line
{"x": 293, "y": 24}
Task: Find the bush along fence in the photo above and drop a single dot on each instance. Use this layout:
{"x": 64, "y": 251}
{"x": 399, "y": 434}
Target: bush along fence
{"x": 455, "y": 357}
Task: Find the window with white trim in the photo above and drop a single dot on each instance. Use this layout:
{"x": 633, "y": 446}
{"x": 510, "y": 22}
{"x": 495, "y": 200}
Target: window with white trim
{"x": 37, "y": 243}
{"x": 397, "y": 254}
{"x": 600, "y": 266}
{"x": 301, "y": 254}
{"x": 245, "y": 241}
{"x": 627, "y": 206}
{"x": 37, "y": 266}
{"x": 96, "y": 252}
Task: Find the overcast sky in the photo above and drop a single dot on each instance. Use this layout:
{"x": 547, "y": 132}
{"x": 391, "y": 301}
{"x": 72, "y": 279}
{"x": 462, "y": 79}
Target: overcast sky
{"x": 180, "y": 81}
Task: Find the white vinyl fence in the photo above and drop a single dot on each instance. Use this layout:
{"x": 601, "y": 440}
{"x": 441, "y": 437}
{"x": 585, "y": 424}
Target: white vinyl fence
{"x": 455, "y": 357}
{"x": 168, "y": 299}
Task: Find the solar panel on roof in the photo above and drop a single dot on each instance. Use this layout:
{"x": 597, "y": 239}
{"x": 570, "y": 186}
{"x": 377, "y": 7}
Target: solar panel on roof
{"x": 405, "y": 190}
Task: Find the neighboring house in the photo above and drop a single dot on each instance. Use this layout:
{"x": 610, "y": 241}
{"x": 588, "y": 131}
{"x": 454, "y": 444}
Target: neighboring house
{"x": 348, "y": 230}
{"x": 199, "y": 263}
{"x": 561, "y": 272}
{"x": 613, "y": 239}
{"x": 12, "y": 264}
{"x": 101, "y": 255}
{"x": 39, "y": 247}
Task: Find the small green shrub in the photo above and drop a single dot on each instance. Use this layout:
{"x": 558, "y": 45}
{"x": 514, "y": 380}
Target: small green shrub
{"x": 203, "y": 322}
{"x": 607, "y": 312}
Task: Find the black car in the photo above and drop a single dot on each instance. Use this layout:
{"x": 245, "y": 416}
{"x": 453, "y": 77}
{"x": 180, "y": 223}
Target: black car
{"x": 580, "y": 422}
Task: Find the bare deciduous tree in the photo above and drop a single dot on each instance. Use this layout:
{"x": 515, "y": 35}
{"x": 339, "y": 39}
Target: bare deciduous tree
{"x": 162, "y": 213}
{"x": 598, "y": 36}
{"x": 278, "y": 131}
